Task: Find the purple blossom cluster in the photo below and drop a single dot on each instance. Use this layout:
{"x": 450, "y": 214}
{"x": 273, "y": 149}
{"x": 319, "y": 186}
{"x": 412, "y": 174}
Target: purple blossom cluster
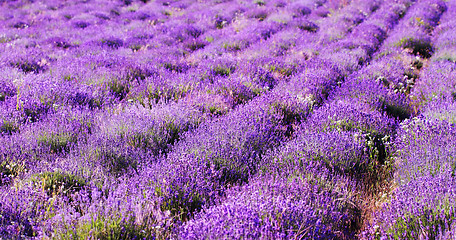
{"x": 226, "y": 119}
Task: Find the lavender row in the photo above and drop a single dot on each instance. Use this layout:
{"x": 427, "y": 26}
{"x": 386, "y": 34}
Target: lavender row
{"x": 279, "y": 208}
{"x": 425, "y": 175}
{"x": 397, "y": 67}
{"x": 438, "y": 83}
{"x": 421, "y": 206}
{"x": 375, "y": 105}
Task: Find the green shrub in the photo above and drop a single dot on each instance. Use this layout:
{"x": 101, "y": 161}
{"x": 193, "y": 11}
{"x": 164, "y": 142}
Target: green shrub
{"x": 57, "y": 142}
{"x": 54, "y": 183}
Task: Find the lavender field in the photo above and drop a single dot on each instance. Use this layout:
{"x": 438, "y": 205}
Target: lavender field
{"x": 228, "y": 119}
